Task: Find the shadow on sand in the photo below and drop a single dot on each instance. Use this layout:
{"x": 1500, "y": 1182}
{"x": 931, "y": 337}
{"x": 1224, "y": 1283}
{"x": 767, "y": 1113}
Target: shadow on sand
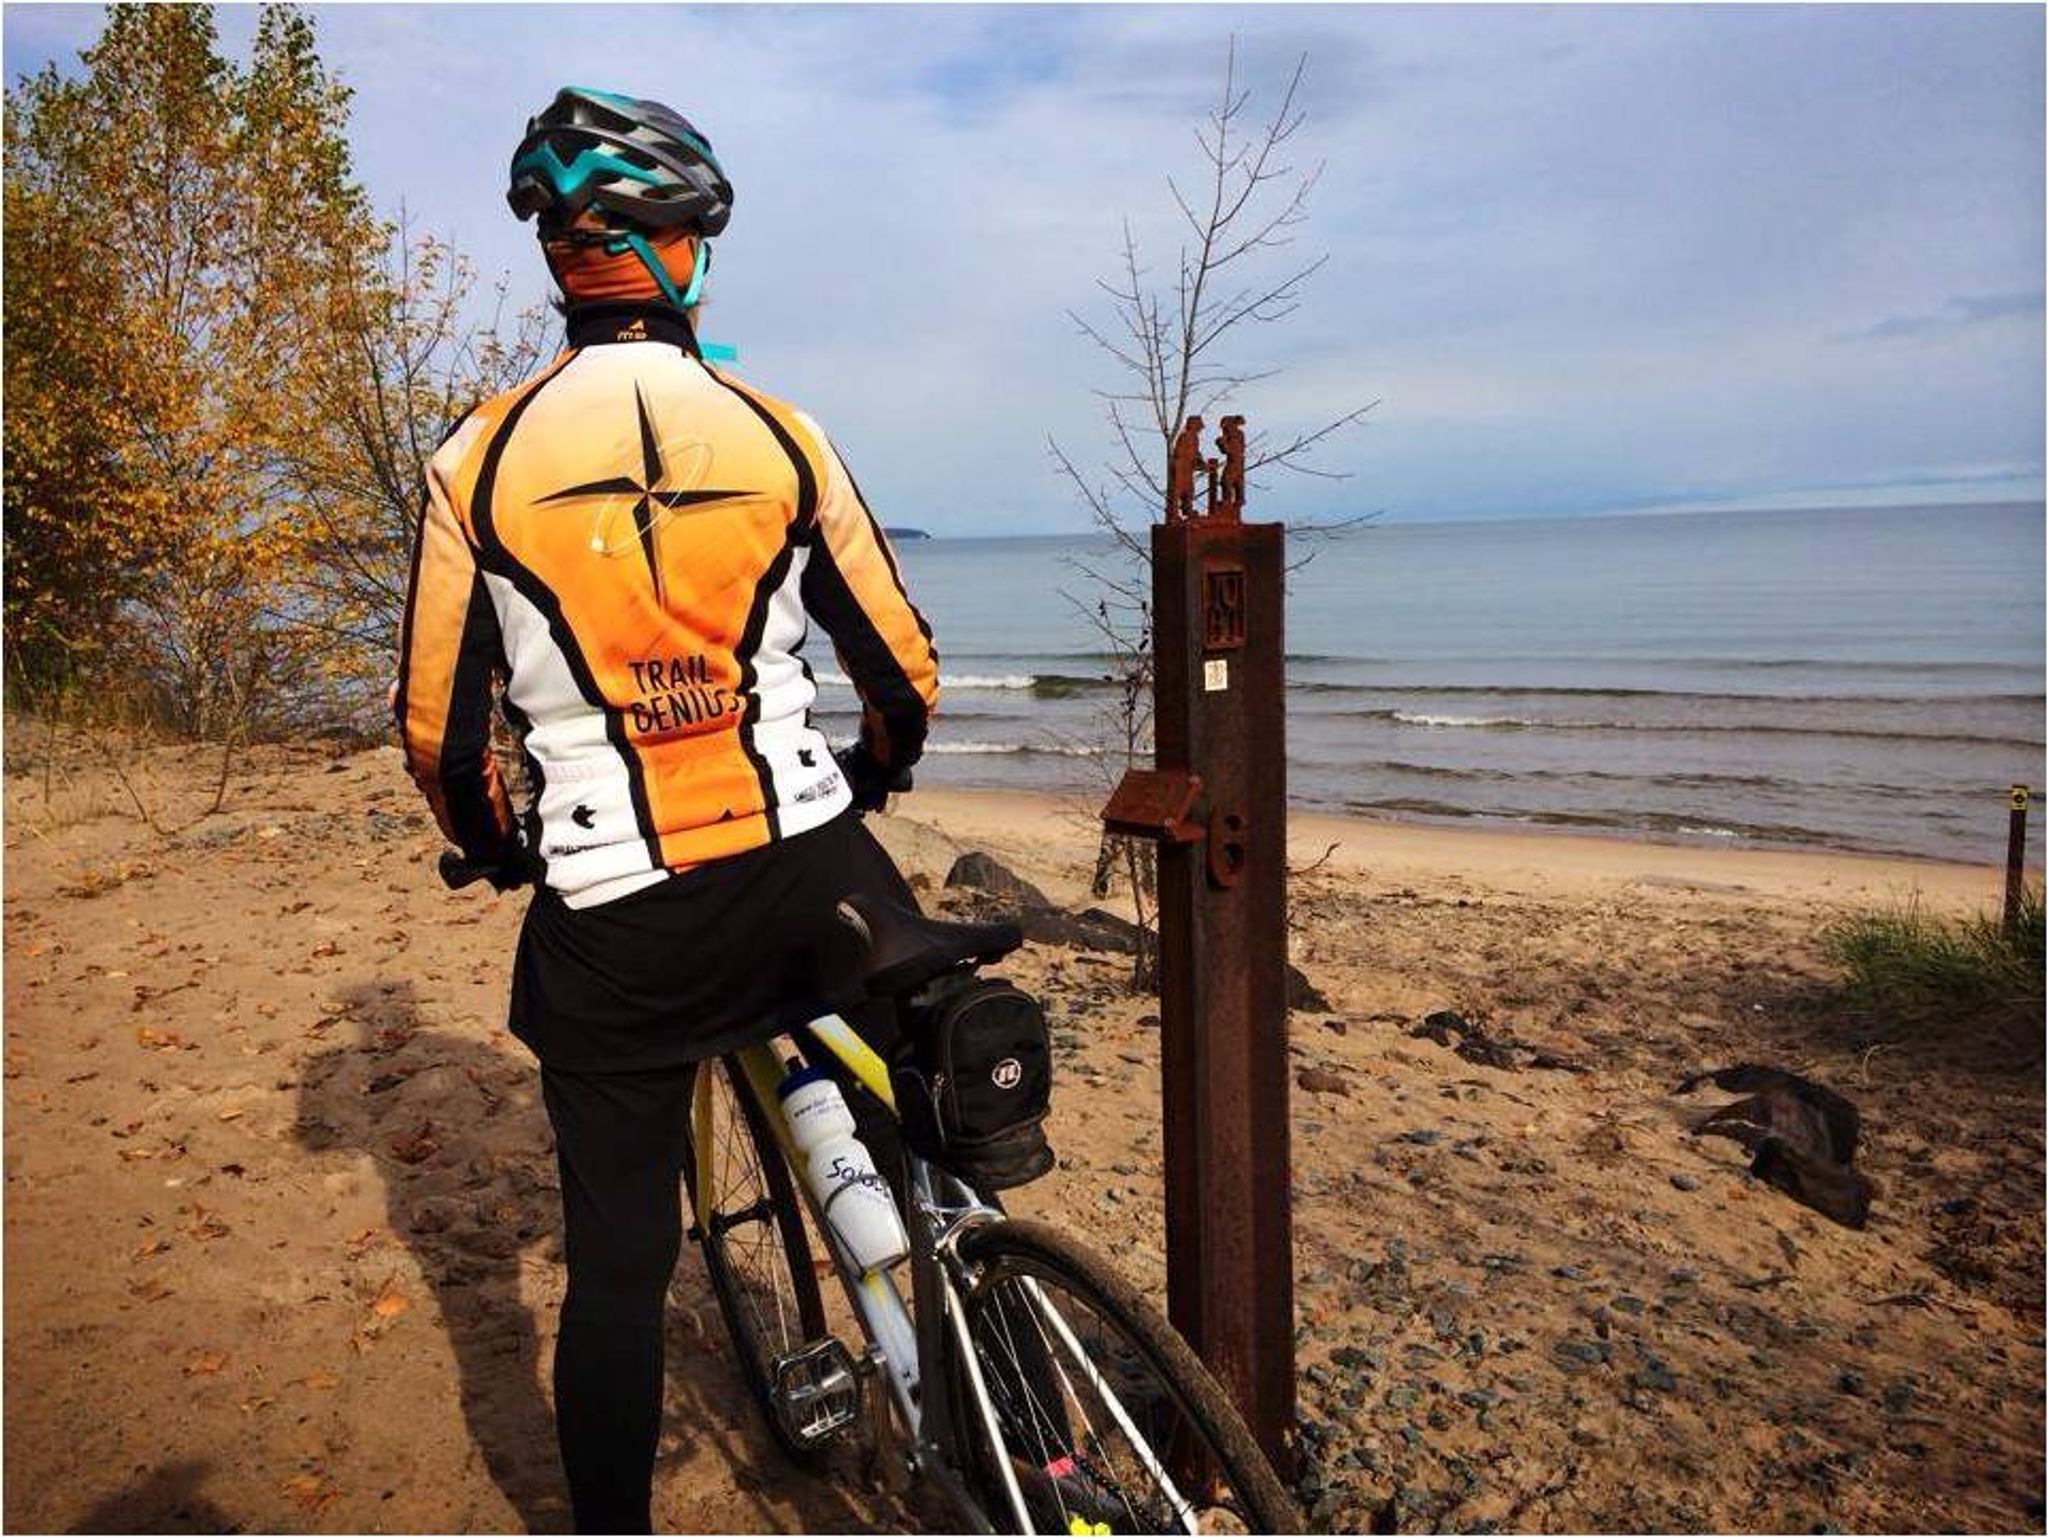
{"x": 165, "y": 1499}
{"x": 455, "y": 1127}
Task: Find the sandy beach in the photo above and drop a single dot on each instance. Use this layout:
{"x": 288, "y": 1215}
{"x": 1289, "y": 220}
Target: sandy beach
{"x": 281, "y": 1229}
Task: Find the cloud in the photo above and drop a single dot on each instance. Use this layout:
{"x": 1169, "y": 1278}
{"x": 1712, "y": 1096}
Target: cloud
{"x": 1964, "y": 310}
{"x": 1585, "y": 257}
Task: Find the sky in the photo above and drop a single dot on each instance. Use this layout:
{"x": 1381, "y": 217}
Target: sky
{"x": 1584, "y": 259}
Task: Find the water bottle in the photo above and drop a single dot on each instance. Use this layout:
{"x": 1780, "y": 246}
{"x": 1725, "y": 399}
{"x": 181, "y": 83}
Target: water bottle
{"x": 854, "y": 1198}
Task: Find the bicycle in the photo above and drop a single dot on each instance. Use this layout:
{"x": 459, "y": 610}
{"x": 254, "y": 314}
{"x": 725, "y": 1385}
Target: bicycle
{"x": 1035, "y": 1389}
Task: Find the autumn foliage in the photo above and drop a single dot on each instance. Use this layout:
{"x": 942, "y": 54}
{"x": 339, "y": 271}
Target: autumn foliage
{"x": 224, "y": 372}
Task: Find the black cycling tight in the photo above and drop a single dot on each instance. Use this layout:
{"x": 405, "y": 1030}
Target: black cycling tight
{"x": 620, "y": 1139}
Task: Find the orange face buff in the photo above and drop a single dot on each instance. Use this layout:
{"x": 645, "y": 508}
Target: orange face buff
{"x": 593, "y": 272}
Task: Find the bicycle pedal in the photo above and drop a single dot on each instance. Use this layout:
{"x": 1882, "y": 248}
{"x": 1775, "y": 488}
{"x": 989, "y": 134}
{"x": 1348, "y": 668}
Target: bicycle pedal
{"x": 817, "y": 1391}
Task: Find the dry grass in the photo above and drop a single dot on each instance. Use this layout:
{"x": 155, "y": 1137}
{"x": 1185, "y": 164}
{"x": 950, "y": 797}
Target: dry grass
{"x": 1918, "y": 972}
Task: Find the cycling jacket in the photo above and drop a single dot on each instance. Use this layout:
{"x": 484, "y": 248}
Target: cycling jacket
{"x": 637, "y": 541}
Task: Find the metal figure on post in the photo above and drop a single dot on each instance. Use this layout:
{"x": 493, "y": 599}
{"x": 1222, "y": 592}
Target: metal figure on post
{"x": 1232, "y": 445}
{"x": 1216, "y": 803}
{"x": 1180, "y": 472}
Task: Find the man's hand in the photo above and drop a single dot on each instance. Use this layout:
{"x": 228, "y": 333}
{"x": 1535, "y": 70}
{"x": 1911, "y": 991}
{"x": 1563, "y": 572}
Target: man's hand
{"x": 871, "y": 783}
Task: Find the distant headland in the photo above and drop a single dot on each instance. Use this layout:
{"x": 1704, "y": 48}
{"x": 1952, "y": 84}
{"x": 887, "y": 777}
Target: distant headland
{"x": 906, "y": 533}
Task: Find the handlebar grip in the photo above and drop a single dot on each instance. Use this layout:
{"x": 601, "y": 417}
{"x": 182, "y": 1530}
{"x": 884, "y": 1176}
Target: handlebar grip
{"x": 457, "y": 872}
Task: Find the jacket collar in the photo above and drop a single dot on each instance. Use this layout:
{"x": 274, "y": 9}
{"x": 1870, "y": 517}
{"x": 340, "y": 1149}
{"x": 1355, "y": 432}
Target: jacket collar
{"x": 630, "y": 321}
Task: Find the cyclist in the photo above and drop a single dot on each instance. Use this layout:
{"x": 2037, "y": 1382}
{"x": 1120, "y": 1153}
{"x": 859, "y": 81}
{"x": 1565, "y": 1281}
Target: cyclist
{"x": 637, "y": 540}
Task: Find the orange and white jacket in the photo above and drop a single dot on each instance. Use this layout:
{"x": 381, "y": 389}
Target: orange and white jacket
{"x": 637, "y": 543}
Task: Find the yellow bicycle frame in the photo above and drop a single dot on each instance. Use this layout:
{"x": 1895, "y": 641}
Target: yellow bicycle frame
{"x": 764, "y": 1071}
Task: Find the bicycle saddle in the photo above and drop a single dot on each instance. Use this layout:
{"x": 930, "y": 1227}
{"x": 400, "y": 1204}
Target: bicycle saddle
{"x": 905, "y": 950}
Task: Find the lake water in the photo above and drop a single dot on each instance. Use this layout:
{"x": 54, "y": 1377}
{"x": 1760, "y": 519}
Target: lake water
{"x": 1865, "y": 679}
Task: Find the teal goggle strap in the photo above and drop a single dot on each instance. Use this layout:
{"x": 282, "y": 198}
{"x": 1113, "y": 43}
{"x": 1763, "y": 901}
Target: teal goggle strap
{"x": 687, "y": 299}
{"x": 712, "y": 352}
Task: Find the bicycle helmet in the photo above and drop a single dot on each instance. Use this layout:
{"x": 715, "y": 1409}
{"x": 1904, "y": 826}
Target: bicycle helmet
{"x": 639, "y": 164}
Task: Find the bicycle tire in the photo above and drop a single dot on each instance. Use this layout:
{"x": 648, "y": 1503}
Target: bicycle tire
{"x": 999, "y": 1254}
{"x": 765, "y": 1283}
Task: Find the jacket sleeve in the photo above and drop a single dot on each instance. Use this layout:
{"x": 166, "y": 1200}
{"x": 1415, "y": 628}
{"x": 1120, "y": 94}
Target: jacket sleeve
{"x": 852, "y": 586}
{"x": 448, "y": 649}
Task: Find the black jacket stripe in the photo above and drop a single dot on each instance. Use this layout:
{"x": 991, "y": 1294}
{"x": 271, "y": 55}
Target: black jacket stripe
{"x": 499, "y": 562}
{"x": 748, "y": 649}
{"x": 875, "y": 668}
{"x": 764, "y": 594}
{"x": 466, "y": 744}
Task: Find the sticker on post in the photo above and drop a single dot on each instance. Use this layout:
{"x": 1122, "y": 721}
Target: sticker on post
{"x": 1216, "y": 675}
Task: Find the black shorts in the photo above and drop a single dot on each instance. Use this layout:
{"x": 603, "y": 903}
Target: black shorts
{"x": 728, "y": 953}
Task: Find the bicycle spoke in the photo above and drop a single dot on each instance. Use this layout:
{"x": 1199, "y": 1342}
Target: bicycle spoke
{"x": 1104, "y": 1416}
{"x": 754, "y": 1244}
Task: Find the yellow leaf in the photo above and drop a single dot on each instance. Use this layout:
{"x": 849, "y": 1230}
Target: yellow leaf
{"x": 390, "y": 1301}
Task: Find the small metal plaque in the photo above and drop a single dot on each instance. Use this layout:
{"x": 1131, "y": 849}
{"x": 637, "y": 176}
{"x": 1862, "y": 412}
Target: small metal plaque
{"x": 1222, "y": 609}
{"x": 1215, "y": 675}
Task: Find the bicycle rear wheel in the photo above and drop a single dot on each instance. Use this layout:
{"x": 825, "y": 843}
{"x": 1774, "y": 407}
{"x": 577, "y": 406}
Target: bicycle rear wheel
{"x": 1107, "y": 1420}
{"x": 755, "y": 1246}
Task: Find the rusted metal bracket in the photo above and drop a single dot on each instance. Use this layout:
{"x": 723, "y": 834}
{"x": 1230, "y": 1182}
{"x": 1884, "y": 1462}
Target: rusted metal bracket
{"x": 1157, "y": 803}
{"x": 1227, "y": 835}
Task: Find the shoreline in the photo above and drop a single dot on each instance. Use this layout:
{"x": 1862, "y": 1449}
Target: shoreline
{"x": 1556, "y": 862}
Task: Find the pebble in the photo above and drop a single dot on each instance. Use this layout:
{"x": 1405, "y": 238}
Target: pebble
{"x": 1853, "y": 1384}
{"x": 1627, "y": 1304}
{"x": 1685, "y": 1182}
{"x": 1422, "y": 1136}
{"x": 1569, "y": 1272}
{"x": 1654, "y": 1375}
{"x": 1584, "y": 1352}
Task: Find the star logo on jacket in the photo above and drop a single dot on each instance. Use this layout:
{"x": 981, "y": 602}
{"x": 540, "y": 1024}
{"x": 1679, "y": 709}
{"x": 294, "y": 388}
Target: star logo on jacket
{"x": 667, "y": 487}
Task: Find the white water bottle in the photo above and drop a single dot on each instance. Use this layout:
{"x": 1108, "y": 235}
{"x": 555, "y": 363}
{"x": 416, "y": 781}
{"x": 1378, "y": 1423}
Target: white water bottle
{"x": 855, "y": 1199}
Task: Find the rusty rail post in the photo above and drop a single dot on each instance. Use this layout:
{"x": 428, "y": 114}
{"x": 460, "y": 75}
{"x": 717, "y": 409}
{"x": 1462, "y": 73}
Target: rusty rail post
{"x": 1216, "y": 802}
{"x": 2015, "y": 857}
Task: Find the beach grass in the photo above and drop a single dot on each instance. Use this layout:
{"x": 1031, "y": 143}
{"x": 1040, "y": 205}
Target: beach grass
{"x": 1919, "y": 969}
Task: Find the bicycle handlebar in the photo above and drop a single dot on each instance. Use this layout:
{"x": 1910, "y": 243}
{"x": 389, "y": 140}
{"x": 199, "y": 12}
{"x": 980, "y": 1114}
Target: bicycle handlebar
{"x": 457, "y": 871}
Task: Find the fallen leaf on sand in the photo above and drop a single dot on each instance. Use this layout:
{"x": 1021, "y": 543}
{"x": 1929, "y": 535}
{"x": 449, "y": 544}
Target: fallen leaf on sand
{"x": 205, "y": 1226}
{"x": 158, "y": 1040}
{"x": 205, "y": 1363}
{"x": 152, "y": 1290}
{"x": 311, "y": 1492}
{"x": 390, "y": 1301}
{"x": 362, "y": 1243}
{"x": 152, "y": 1246}
{"x": 260, "y": 1401}
{"x": 231, "y": 1115}
{"x": 320, "y": 1382}
{"x": 325, "y": 948}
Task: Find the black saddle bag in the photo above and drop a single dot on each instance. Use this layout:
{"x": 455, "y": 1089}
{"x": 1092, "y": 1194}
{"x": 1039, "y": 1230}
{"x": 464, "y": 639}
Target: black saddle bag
{"x": 973, "y": 1081}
